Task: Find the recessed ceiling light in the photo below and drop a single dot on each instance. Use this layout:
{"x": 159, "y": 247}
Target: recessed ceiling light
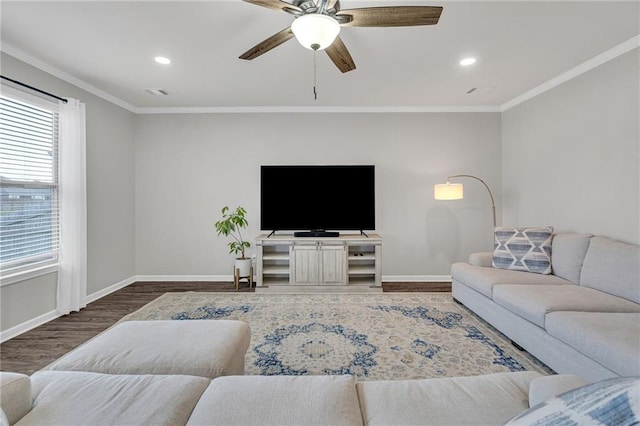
{"x": 467, "y": 61}
{"x": 162, "y": 60}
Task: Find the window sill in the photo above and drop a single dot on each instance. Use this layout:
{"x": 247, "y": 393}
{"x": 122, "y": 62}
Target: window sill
{"x": 28, "y": 274}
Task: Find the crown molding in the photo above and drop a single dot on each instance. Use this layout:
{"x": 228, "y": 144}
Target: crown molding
{"x": 592, "y": 63}
{"x": 62, "y": 75}
{"x": 312, "y": 109}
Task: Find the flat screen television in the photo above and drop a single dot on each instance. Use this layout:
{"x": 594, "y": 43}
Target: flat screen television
{"x": 317, "y": 200}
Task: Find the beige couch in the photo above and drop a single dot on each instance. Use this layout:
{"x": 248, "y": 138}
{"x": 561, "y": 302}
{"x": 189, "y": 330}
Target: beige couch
{"x": 582, "y": 319}
{"x": 192, "y": 373}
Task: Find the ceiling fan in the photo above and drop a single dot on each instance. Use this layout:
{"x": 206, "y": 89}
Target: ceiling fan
{"x": 318, "y": 23}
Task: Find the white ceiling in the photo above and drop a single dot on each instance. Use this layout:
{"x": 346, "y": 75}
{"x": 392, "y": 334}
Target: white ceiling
{"x": 111, "y": 45}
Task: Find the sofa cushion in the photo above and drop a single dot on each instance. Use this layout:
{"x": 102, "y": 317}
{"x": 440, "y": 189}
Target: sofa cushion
{"x": 279, "y": 400}
{"x": 198, "y": 348}
{"x": 483, "y": 258}
{"x": 567, "y": 255}
{"x": 608, "y": 402}
{"x": 612, "y": 339}
{"x": 79, "y": 398}
{"x": 523, "y": 249}
{"x": 15, "y": 395}
{"x": 473, "y": 400}
{"x": 534, "y": 302}
{"x": 483, "y": 279}
{"x": 546, "y": 387}
{"x": 614, "y": 267}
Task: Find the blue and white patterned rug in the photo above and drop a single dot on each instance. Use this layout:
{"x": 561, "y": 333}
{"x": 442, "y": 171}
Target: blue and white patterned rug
{"x": 372, "y": 336}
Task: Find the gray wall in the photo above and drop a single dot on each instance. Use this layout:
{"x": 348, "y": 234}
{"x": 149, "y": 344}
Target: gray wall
{"x": 571, "y": 156}
{"x": 110, "y": 198}
{"x": 188, "y": 166}
{"x": 568, "y": 157}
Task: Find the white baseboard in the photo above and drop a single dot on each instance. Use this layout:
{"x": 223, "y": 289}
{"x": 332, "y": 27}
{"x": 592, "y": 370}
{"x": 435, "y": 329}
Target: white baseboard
{"x": 17, "y": 330}
{"x": 228, "y": 278}
{"x": 221, "y": 278}
{"x": 108, "y": 290}
{"x": 416, "y": 278}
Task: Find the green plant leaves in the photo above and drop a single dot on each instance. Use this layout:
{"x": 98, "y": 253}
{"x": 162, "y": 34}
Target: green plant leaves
{"x": 230, "y": 225}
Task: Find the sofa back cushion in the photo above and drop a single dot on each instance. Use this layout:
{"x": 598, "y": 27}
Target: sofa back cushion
{"x": 84, "y": 398}
{"x": 489, "y": 399}
{"x": 613, "y": 267}
{"x": 567, "y": 255}
{"x": 279, "y": 400}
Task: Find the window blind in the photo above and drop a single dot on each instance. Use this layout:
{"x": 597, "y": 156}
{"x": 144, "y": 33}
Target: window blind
{"x": 29, "y": 213}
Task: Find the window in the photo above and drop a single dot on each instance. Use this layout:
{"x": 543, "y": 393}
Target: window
{"x": 29, "y": 219}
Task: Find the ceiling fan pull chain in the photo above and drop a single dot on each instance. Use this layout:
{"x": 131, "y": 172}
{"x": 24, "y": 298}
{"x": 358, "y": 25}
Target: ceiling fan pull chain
{"x": 315, "y": 94}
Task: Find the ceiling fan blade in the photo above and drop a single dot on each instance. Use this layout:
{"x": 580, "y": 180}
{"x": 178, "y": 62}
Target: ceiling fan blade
{"x": 391, "y": 16}
{"x": 276, "y": 5}
{"x": 268, "y": 44}
{"x": 340, "y": 56}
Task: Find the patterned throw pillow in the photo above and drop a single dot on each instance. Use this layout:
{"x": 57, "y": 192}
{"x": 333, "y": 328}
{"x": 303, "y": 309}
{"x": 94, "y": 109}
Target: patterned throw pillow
{"x": 608, "y": 402}
{"x": 523, "y": 249}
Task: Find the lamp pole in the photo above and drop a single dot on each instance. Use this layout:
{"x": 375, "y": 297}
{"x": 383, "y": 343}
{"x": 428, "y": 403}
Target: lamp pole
{"x": 493, "y": 203}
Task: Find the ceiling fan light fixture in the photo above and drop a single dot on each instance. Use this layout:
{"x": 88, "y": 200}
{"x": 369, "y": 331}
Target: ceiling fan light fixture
{"x": 315, "y": 31}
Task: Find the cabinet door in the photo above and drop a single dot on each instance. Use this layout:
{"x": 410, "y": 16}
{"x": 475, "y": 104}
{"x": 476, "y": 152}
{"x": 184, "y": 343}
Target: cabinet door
{"x": 305, "y": 265}
{"x": 333, "y": 264}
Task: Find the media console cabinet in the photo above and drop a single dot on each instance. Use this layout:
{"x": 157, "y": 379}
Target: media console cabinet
{"x": 347, "y": 263}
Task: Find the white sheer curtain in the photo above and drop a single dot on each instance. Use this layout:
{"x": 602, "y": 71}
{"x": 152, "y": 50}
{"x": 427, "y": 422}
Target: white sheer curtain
{"x": 72, "y": 273}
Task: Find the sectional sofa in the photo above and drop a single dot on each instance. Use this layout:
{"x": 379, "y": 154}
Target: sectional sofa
{"x": 192, "y": 373}
{"x": 86, "y": 398}
{"x": 582, "y": 318}
{"x": 168, "y": 373}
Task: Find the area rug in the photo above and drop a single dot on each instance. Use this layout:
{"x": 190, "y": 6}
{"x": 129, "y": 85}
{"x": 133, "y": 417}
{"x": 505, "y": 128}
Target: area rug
{"x": 386, "y": 336}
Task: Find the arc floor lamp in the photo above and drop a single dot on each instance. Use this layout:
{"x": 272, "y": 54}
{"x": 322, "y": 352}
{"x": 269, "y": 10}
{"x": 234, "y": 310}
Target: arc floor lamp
{"x": 455, "y": 191}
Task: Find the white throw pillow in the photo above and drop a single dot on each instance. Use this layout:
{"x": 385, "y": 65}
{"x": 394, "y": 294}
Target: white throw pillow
{"x": 523, "y": 249}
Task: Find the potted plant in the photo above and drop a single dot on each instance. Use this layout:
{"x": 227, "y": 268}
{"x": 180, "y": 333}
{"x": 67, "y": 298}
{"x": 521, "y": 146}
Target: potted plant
{"x": 230, "y": 225}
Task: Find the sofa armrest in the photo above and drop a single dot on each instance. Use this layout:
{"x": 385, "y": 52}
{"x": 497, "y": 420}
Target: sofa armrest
{"x": 15, "y": 395}
{"x": 481, "y": 259}
{"x": 543, "y": 388}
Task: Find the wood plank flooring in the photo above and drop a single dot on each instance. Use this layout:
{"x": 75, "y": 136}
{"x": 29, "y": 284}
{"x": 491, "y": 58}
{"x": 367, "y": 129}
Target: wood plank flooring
{"x": 35, "y": 349}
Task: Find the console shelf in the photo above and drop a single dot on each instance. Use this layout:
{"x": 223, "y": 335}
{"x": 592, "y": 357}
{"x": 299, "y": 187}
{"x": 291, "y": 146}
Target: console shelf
{"x": 275, "y": 264}
{"x": 349, "y": 262}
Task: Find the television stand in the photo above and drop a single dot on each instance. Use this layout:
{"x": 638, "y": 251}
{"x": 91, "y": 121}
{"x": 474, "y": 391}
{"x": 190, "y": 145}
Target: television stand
{"x": 318, "y": 233}
{"x": 349, "y": 263}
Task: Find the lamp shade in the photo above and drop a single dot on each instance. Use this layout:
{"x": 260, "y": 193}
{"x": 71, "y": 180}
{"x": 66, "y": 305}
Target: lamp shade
{"x": 315, "y": 31}
{"x": 448, "y": 191}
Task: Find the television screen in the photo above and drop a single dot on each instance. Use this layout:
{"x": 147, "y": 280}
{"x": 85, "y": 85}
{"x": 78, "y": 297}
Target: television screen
{"x": 317, "y": 198}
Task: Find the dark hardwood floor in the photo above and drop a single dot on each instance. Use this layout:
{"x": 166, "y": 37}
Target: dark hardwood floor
{"x": 35, "y": 349}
